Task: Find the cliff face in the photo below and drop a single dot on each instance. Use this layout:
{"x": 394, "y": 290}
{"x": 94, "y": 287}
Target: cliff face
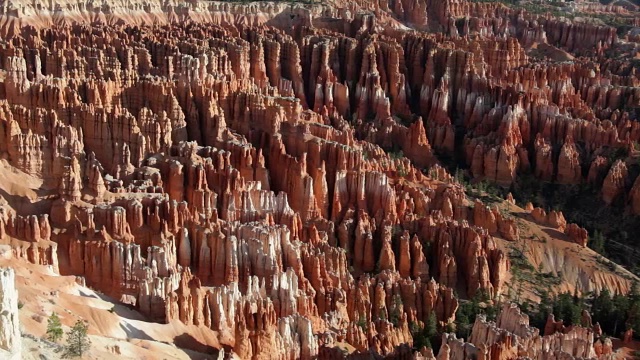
{"x": 269, "y": 171}
{"x": 204, "y": 197}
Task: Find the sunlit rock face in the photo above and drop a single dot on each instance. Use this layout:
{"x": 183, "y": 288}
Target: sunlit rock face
{"x": 10, "y": 338}
{"x": 270, "y": 171}
{"x": 512, "y": 337}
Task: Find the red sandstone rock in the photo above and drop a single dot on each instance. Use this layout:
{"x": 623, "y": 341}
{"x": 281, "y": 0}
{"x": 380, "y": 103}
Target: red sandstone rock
{"x": 556, "y": 220}
{"x": 577, "y": 234}
{"x": 539, "y": 215}
{"x": 569, "y": 171}
{"x": 226, "y": 170}
{"x": 613, "y": 185}
{"x": 628, "y": 336}
{"x": 511, "y": 336}
{"x": 552, "y": 326}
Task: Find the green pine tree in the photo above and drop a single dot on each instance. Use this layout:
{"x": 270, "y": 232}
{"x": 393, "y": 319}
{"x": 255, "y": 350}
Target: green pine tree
{"x": 462, "y": 325}
{"x": 396, "y": 312}
{"x": 54, "y": 328}
{"x": 622, "y": 307}
{"x": 633, "y": 321}
{"x": 598, "y": 243}
{"x": 419, "y": 340}
{"x": 566, "y": 309}
{"x": 78, "y": 342}
{"x": 431, "y": 327}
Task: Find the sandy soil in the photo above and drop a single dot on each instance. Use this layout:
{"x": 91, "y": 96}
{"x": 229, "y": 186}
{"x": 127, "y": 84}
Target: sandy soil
{"x": 115, "y": 330}
{"x": 550, "y": 52}
{"x": 567, "y": 266}
{"x": 24, "y": 192}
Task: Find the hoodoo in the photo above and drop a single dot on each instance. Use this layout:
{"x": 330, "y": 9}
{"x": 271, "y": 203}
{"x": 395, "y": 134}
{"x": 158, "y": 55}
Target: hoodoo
{"x": 319, "y": 180}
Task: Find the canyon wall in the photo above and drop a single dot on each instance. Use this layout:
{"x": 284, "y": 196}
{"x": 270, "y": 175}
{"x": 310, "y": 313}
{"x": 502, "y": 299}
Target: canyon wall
{"x": 270, "y": 171}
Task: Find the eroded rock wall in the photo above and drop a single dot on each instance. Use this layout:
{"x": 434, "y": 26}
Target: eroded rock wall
{"x": 269, "y": 171}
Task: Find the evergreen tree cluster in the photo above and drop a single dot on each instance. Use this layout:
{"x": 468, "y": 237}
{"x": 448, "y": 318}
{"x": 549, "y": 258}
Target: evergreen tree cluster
{"x": 470, "y": 309}
{"x": 615, "y": 313}
{"x": 426, "y": 336}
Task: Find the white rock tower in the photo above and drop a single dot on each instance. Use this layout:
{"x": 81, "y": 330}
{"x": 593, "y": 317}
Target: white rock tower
{"x": 10, "y": 340}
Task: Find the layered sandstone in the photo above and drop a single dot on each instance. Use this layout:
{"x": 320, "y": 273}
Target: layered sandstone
{"x": 269, "y": 171}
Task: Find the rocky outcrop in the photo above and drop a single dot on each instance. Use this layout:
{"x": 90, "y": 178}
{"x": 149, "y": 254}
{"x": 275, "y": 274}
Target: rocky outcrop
{"x": 511, "y": 336}
{"x": 10, "y": 337}
{"x": 577, "y": 234}
{"x": 496, "y": 220}
{"x": 569, "y": 170}
{"x": 270, "y": 171}
{"x": 554, "y": 219}
{"x": 614, "y": 183}
{"x": 29, "y": 237}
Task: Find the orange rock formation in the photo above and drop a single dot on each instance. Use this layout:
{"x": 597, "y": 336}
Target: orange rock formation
{"x": 269, "y": 170}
